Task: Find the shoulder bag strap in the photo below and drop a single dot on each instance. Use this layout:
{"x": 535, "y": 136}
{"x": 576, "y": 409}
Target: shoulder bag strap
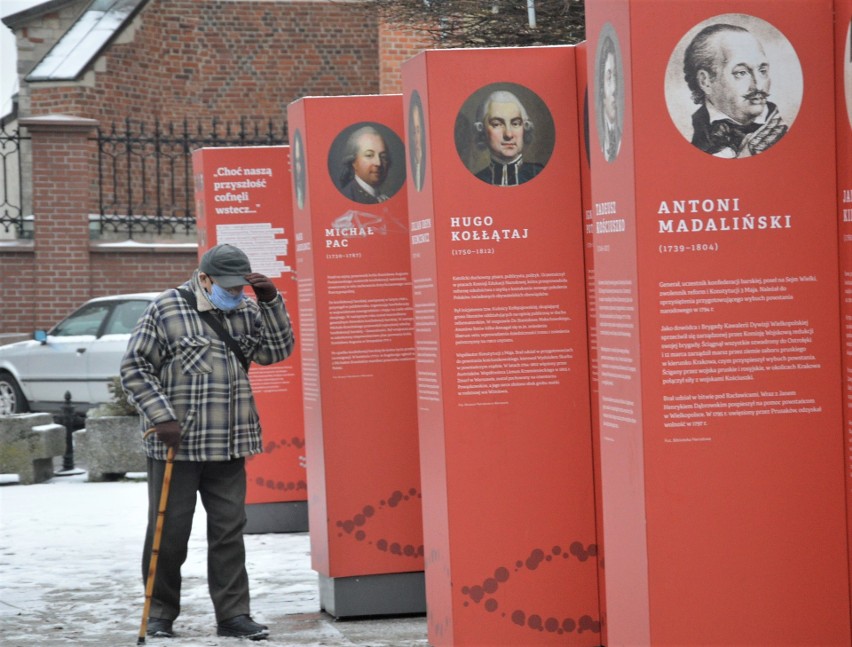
{"x": 217, "y": 327}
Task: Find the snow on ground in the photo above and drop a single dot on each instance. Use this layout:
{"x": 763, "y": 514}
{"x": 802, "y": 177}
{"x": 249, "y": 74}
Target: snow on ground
{"x": 70, "y": 574}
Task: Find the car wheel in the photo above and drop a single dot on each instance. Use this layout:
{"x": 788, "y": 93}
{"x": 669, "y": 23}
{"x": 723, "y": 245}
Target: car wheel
{"x": 11, "y": 398}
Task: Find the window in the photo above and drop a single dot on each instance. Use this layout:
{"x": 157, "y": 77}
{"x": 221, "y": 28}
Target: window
{"x": 85, "y": 321}
{"x": 69, "y": 57}
{"x": 124, "y": 316}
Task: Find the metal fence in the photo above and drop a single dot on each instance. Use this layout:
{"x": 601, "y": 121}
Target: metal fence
{"x": 145, "y": 171}
{"x": 12, "y": 143}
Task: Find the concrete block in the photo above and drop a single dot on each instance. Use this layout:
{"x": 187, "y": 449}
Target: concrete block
{"x": 28, "y": 444}
{"x": 110, "y": 446}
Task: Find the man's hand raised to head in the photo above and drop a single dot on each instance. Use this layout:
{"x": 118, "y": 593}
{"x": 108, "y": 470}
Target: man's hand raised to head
{"x": 262, "y": 286}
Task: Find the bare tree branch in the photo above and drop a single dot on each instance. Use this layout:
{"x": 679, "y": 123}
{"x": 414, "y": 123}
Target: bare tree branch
{"x": 486, "y": 23}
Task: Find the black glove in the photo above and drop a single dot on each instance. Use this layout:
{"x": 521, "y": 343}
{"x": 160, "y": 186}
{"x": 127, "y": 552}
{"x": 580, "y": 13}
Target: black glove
{"x": 168, "y": 433}
{"x": 262, "y": 286}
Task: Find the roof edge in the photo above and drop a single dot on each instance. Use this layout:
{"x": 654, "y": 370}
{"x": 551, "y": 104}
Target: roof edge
{"x": 32, "y": 77}
{"x": 21, "y": 18}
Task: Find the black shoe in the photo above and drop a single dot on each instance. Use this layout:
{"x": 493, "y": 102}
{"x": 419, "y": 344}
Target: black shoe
{"x": 243, "y": 627}
{"x": 160, "y": 628}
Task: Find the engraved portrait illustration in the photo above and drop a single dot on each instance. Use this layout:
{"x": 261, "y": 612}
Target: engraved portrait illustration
{"x": 298, "y": 164}
{"x": 734, "y": 86}
{"x": 504, "y": 134}
{"x": 366, "y": 162}
{"x": 609, "y": 93}
{"x": 417, "y": 141}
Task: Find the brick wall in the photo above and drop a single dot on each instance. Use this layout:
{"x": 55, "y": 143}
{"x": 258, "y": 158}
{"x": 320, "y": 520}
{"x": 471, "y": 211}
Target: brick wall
{"x": 17, "y": 267}
{"x": 150, "y": 269}
{"x": 204, "y": 58}
{"x": 107, "y": 271}
{"x": 61, "y": 269}
{"x": 396, "y": 45}
{"x": 62, "y": 155}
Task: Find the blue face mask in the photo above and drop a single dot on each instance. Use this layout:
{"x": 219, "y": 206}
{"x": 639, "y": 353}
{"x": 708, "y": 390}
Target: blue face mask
{"x": 224, "y": 300}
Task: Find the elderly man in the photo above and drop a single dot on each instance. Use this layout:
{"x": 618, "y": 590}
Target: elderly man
{"x": 728, "y": 74}
{"x": 186, "y": 371}
{"x": 504, "y": 128}
{"x": 366, "y": 162}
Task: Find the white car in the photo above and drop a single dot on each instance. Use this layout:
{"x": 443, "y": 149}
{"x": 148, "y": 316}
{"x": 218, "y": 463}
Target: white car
{"x": 81, "y": 355}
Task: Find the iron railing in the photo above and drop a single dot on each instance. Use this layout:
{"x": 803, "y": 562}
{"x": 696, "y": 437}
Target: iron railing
{"x": 145, "y": 183}
{"x": 11, "y": 187}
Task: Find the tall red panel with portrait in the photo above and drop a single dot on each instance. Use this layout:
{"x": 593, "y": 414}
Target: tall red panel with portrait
{"x": 843, "y": 83}
{"x": 502, "y": 361}
{"x": 591, "y": 308}
{"x": 713, "y": 187}
{"x": 243, "y": 197}
{"x": 358, "y": 350}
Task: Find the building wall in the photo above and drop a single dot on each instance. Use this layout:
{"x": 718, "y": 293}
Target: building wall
{"x": 35, "y": 38}
{"x": 150, "y": 269}
{"x": 203, "y": 58}
{"x": 17, "y": 267}
{"x": 109, "y": 271}
{"x": 396, "y": 45}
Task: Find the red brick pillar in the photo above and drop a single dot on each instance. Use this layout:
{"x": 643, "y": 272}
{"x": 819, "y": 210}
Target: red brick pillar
{"x": 63, "y": 162}
{"x": 397, "y": 43}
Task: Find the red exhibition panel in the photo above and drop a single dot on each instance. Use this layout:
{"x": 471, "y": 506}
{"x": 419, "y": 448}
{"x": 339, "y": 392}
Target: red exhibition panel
{"x": 714, "y": 197}
{"x": 358, "y": 340}
{"x": 583, "y": 115}
{"x": 243, "y": 197}
{"x": 502, "y": 359}
{"x": 843, "y": 77}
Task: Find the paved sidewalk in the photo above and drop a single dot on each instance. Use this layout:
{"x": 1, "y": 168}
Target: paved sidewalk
{"x": 70, "y": 574}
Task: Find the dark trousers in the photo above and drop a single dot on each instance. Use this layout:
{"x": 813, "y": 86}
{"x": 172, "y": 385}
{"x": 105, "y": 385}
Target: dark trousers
{"x": 222, "y": 486}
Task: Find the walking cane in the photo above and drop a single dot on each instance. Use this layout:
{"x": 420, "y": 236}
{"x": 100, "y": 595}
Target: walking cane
{"x": 155, "y": 544}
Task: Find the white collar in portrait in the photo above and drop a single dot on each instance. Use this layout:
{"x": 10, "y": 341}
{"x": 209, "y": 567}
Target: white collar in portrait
{"x": 378, "y": 196}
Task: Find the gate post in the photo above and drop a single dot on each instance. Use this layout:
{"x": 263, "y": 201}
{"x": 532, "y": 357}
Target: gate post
{"x": 63, "y": 165}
